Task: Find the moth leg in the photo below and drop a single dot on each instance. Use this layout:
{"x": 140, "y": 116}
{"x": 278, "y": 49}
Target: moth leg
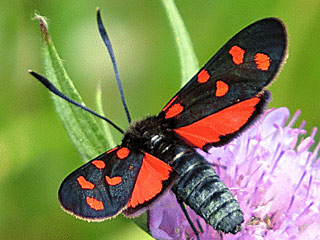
{"x": 199, "y": 226}
{"x": 183, "y": 207}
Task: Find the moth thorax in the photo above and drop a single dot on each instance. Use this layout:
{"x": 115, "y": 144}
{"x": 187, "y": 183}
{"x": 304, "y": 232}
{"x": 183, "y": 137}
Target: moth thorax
{"x": 144, "y": 134}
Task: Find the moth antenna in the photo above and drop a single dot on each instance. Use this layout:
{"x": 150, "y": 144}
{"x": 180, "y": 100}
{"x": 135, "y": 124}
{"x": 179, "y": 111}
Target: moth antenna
{"x": 54, "y": 90}
{"x": 107, "y": 43}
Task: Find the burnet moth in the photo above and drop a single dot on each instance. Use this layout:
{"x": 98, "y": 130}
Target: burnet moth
{"x": 158, "y": 153}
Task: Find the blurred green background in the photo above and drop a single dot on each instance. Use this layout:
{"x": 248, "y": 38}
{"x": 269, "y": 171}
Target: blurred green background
{"x": 35, "y": 152}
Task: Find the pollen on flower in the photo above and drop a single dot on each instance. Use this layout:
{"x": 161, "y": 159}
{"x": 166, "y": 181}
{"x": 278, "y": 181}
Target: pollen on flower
{"x": 273, "y": 175}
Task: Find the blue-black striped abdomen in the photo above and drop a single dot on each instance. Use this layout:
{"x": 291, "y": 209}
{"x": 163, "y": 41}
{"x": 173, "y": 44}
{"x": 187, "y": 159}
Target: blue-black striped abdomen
{"x": 200, "y": 188}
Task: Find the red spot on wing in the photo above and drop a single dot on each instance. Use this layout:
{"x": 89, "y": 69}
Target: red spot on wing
{"x": 203, "y": 76}
{"x": 123, "y": 152}
{"x": 99, "y": 164}
{"x": 84, "y": 184}
{"x": 152, "y": 173}
{"x": 174, "y": 110}
{"x": 94, "y": 203}
{"x": 224, "y": 122}
{"x": 113, "y": 181}
{"x": 169, "y": 103}
{"x": 262, "y": 61}
{"x": 222, "y": 88}
{"x": 237, "y": 54}
{"x": 111, "y": 150}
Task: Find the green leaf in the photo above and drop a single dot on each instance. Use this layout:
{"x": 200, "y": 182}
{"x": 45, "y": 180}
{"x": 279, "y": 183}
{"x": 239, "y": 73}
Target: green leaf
{"x": 142, "y": 222}
{"x": 188, "y": 60}
{"x": 82, "y": 128}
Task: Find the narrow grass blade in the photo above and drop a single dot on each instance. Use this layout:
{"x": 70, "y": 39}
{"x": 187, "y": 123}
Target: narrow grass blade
{"x": 188, "y": 60}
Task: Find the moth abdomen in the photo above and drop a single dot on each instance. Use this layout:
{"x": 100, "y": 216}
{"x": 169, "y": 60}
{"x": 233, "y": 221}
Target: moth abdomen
{"x": 200, "y": 188}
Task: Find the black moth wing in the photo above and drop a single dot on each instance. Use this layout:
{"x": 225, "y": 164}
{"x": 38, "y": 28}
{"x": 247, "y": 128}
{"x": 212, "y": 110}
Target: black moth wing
{"x": 200, "y": 97}
{"x": 102, "y": 187}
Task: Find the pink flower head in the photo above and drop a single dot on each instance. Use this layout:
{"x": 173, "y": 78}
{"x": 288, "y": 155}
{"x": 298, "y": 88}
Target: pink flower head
{"x": 273, "y": 175}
